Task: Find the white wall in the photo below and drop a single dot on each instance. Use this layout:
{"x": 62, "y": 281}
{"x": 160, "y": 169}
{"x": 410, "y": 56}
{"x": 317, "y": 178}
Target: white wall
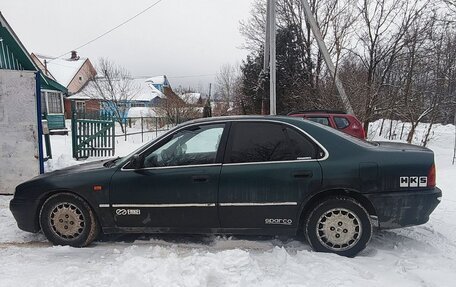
{"x": 18, "y": 129}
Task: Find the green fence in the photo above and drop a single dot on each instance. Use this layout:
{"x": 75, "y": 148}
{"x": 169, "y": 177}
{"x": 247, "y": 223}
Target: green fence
{"x": 93, "y": 135}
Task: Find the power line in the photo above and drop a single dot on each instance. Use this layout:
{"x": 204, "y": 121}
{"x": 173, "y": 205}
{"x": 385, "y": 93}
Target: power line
{"x": 112, "y": 29}
{"x": 181, "y": 77}
{"x": 193, "y": 76}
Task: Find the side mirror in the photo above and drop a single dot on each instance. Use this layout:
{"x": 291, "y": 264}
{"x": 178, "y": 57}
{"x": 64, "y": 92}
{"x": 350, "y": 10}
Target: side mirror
{"x": 136, "y": 161}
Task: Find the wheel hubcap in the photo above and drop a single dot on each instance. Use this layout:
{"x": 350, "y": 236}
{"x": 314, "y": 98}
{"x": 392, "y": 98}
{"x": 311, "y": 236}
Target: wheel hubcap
{"x": 339, "y": 229}
{"x": 67, "y": 220}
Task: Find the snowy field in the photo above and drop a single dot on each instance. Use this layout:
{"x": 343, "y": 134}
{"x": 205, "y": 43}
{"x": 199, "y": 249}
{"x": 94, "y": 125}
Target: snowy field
{"x": 415, "y": 256}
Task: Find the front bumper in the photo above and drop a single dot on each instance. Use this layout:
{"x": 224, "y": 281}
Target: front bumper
{"x": 405, "y": 208}
{"x": 25, "y": 213}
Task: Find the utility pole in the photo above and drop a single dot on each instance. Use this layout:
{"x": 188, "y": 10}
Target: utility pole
{"x": 210, "y": 90}
{"x": 324, "y": 51}
{"x": 272, "y": 60}
{"x": 454, "y": 151}
{"x": 266, "y": 43}
{"x": 270, "y": 55}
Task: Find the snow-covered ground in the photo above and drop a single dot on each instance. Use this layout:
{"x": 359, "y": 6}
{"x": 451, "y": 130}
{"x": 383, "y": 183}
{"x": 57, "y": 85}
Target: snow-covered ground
{"x": 415, "y": 256}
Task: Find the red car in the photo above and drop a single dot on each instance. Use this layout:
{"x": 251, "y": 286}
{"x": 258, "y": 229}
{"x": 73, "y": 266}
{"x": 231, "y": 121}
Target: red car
{"x": 339, "y": 120}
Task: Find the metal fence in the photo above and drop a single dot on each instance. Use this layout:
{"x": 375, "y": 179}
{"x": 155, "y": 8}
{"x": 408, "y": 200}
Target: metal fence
{"x": 146, "y": 125}
{"x": 92, "y": 135}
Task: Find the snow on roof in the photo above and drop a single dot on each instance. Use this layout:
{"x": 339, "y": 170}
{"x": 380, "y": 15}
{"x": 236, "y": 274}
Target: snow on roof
{"x": 161, "y": 80}
{"x": 81, "y": 96}
{"x": 191, "y": 98}
{"x": 137, "y": 112}
{"x": 63, "y": 70}
{"x": 144, "y": 92}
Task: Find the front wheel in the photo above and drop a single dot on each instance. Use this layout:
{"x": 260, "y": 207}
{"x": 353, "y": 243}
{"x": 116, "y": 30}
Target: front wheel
{"x": 339, "y": 225}
{"x": 66, "y": 219}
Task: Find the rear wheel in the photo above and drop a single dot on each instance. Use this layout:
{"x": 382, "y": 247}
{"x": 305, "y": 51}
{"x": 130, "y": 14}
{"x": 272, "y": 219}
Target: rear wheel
{"x": 66, "y": 219}
{"x": 339, "y": 225}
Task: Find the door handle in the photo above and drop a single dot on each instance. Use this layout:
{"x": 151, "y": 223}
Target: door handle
{"x": 303, "y": 174}
{"x": 200, "y": 178}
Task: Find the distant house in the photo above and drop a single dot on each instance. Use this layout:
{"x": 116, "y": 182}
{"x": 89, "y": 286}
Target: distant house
{"x": 193, "y": 99}
{"x": 149, "y": 94}
{"x": 161, "y": 83}
{"x": 73, "y": 73}
{"x": 145, "y": 94}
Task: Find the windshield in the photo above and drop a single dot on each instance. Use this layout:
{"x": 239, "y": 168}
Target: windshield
{"x": 146, "y": 145}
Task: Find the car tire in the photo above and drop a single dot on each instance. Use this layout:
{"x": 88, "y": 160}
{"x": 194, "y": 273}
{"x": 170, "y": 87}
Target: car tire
{"x": 338, "y": 225}
{"x": 67, "y": 219}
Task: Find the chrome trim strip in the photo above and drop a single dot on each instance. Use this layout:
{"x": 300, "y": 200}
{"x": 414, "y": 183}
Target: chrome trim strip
{"x": 257, "y": 203}
{"x": 165, "y": 205}
{"x": 268, "y": 162}
{"x": 245, "y": 163}
{"x": 172, "y": 167}
{"x": 103, "y": 205}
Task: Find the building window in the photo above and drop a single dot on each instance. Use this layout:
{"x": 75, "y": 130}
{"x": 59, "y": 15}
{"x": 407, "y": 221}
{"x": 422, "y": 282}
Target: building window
{"x": 55, "y": 102}
{"x": 43, "y": 103}
{"x": 137, "y": 104}
{"x": 80, "y": 106}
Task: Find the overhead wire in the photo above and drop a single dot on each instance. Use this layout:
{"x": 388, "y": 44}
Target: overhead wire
{"x": 112, "y": 29}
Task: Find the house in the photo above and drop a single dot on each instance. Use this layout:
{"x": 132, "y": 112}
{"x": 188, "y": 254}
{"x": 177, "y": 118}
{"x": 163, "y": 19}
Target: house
{"x": 21, "y": 84}
{"x": 73, "y": 73}
{"x": 144, "y": 94}
{"x": 161, "y": 83}
{"x": 193, "y": 99}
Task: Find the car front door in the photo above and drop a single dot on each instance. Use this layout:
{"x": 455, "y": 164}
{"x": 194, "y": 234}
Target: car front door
{"x": 268, "y": 169}
{"x": 177, "y": 185}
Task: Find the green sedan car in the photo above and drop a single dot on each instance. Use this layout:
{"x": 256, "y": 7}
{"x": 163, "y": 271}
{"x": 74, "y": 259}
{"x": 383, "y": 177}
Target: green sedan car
{"x": 239, "y": 175}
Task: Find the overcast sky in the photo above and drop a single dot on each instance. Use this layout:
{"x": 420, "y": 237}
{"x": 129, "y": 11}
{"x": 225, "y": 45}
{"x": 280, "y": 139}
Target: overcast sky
{"x": 178, "y": 38}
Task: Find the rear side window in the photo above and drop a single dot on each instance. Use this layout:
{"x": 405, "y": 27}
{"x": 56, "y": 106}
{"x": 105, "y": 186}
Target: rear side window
{"x": 320, "y": 120}
{"x": 263, "y": 142}
{"x": 341, "y": 122}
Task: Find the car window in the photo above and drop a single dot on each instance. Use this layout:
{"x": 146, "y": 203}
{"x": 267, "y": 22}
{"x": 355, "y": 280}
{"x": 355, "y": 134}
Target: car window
{"x": 197, "y": 145}
{"x": 261, "y": 142}
{"x": 320, "y": 120}
{"x": 341, "y": 122}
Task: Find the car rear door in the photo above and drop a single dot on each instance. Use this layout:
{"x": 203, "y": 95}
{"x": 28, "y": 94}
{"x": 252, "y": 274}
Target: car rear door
{"x": 177, "y": 187}
{"x": 268, "y": 169}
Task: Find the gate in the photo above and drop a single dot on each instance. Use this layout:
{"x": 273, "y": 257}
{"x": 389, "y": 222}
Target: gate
{"x": 93, "y": 135}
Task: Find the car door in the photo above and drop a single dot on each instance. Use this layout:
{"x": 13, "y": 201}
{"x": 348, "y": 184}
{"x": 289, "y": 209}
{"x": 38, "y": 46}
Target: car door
{"x": 268, "y": 169}
{"x": 177, "y": 185}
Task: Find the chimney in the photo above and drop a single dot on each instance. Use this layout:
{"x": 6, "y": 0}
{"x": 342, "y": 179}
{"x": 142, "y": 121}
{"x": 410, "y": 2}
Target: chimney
{"x": 74, "y": 56}
{"x": 45, "y": 67}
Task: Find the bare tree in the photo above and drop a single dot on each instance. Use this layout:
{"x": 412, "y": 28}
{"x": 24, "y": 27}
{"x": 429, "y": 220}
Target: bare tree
{"x": 335, "y": 19}
{"x": 451, "y": 4}
{"x": 227, "y": 82}
{"x": 113, "y": 86}
{"x": 380, "y": 38}
{"x": 176, "y": 109}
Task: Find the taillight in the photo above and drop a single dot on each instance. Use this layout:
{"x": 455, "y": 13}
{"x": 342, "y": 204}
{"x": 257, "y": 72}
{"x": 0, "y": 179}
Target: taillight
{"x": 431, "y": 176}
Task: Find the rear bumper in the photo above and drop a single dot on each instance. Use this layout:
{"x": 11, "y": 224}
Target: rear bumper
{"x": 400, "y": 209}
{"x": 25, "y": 214}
